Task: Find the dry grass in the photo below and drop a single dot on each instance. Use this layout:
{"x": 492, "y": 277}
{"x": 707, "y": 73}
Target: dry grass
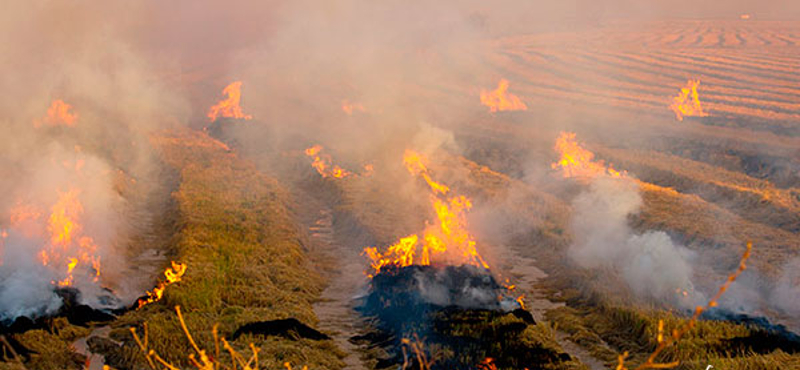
{"x": 200, "y": 358}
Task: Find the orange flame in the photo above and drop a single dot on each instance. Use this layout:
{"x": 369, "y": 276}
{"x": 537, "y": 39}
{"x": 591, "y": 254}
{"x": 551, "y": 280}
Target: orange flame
{"x": 501, "y": 100}
{"x": 578, "y": 162}
{"x": 172, "y": 275}
{"x": 323, "y": 163}
{"x": 521, "y": 301}
{"x": 59, "y": 114}
{"x": 446, "y": 240}
{"x": 744, "y": 16}
{"x": 230, "y": 106}
{"x": 687, "y": 103}
{"x": 68, "y": 246}
{"x": 487, "y": 364}
{"x": 349, "y": 107}
{"x": 415, "y": 164}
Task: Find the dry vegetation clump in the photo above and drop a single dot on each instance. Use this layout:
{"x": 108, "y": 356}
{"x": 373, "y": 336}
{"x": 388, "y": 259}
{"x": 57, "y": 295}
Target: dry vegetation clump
{"x": 49, "y": 348}
{"x": 245, "y": 264}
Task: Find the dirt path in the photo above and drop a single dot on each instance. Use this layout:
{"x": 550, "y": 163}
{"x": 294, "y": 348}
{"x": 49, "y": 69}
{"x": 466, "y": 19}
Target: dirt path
{"x": 335, "y": 311}
{"x": 523, "y": 273}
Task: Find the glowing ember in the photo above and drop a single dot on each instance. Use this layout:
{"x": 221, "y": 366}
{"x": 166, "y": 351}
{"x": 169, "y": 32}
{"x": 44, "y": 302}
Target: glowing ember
{"x": 172, "y": 275}
{"x": 230, "y": 106}
{"x": 446, "y": 241}
{"x": 578, "y": 162}
{"x": 687, "y": 103}
{"x": 59, "y": 114}
{"x": 324, "y": 164}
{"x": 349, "y": 107}
{"x": 501, "y": 100}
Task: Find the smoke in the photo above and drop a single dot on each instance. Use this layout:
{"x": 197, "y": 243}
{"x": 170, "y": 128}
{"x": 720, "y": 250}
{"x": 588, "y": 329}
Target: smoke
{"x": 465, "y": 287}
{"x": 74, "y": 192}
{"x": 415, "y": 68}
{"x": 651, "y": 264}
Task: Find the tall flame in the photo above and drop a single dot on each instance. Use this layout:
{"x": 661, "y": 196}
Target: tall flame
{"x": 172, "y": 275}
{"x": 687, "y": 103}
{"x": 447, "y": 240}
{"x": 501, "y": 100}
{"x": 68, "y": 247}
{"x": 229, "y": 107}
{"x": 59, "y": 114}
{"x": 576, "y": 161}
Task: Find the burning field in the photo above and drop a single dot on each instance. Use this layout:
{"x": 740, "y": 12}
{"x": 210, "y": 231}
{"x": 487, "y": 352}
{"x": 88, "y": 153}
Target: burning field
{"x": 394, "y": 185}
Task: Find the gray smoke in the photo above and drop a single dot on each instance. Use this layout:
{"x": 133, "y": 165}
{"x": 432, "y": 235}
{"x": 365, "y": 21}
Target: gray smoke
{"x": 651, "y": 263}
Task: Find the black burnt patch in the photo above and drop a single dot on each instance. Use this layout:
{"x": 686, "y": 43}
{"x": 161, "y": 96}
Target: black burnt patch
{"x": 288, "y": 328}
{"x": 764, "y": 336}
{"x": 460, "y": 314}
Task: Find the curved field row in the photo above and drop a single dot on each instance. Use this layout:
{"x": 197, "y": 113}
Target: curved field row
{"x": 742, "y": 85}
{"x": 753, "y": 199}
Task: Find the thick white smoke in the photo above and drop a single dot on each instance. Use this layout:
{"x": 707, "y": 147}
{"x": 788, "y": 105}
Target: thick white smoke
{"x": 651, "y": 264}
{"x": 27, "y": 283}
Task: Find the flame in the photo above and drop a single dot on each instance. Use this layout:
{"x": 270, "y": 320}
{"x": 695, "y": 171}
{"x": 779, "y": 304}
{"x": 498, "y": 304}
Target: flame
{"x": 687, "y": 103}
{"x": 349, "y": 107}
{"x": 521, "y": 301}
{"x": 59, "y": 114}
{"x": 67, "y": 246}
{"x": 172, "y": 275}
{"x": 416, "y": 166}
{"x": 230, "y": 106}
{"x": 488, "y": 364}
{"x": 578, "y": 162}
{"x": 500, "y": 99}
{"x": 744, "y": 16}
{"x": 324, "y": 164}
{"x": 446, "y": 240}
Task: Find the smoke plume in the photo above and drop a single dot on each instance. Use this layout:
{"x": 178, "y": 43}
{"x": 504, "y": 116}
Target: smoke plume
{"x": 81, "y": 100}
{"x": 651, "y": 264}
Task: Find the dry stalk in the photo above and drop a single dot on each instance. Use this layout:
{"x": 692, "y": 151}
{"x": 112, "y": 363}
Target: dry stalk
{"x": 417, "y": 346}
{"x": 14, "y": 356}
{"x": 200, "y": 359}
